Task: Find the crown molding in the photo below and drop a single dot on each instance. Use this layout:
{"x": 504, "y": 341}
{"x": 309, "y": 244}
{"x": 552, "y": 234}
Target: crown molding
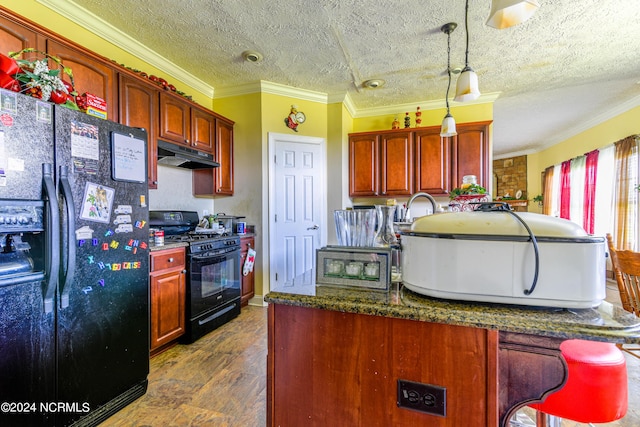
{"x": 593, "y": 122}
{"x": 106, "y": 31}
{"x": 264, "y": 86}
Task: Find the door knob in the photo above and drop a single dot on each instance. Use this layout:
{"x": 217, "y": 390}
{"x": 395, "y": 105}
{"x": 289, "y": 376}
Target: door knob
{"x": 315, "y": 227}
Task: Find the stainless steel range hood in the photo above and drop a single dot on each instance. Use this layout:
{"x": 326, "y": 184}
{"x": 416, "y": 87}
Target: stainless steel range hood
{"x": 184, "y": 157}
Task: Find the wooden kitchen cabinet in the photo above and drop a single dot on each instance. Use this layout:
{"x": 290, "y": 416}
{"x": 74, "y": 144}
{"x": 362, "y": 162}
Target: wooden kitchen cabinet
{"x": 381, "y": 164}
{"x": 470, "y": 153}
{"x": 364, "y": 165}
{"x": 91, "y": 74}
{"x": 186, "y": 124}
{"x": 14, "y": 37}
{"x": 401, "y": 162}
{"x": 138, "y": 107}
{"x": 217, "y": 181}
{"x": 248, "y": 285}
{"x": 396, "y": 167}
{"x": 433, "y": 162}
{"x": 167, "y": 283}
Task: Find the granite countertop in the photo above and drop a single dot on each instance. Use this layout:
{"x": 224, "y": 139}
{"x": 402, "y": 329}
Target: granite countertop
{"x": 604, "y": 323}
{"x": 154, "y": 248}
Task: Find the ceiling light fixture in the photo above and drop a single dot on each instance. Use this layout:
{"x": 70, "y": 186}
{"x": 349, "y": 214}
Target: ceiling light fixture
{"x": 507, "y": 13}
{"x": 252, "y": 56}
{"x": 448, "y": 127}
{"x": 373, "y": 83}
{"x": 467, "y": 86}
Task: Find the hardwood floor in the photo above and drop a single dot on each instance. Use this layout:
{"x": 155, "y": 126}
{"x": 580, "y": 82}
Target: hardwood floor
{"x": 220, "y": 381}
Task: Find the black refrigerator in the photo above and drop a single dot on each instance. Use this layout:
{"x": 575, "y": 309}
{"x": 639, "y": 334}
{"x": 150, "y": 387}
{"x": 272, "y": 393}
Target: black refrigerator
{"x": 74, "y": 265}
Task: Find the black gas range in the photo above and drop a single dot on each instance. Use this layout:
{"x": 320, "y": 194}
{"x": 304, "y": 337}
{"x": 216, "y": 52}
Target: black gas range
{"x": 199, "y": 242}
{"x": 213, "y": 271}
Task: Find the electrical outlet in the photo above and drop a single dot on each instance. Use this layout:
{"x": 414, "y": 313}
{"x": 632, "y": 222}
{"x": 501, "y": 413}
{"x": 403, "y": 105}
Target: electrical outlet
{"x": 421, "y": 397}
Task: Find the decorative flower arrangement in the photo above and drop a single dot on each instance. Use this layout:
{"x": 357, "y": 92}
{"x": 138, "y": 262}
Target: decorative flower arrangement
{"x": 33, "y": 77}
{"x": 471, "y": 190}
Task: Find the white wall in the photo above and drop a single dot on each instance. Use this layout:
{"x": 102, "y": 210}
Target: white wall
{"x": 174, "y": 192}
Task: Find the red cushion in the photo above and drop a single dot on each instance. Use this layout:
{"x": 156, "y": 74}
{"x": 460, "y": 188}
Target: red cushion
{"x": 596, "y": 388}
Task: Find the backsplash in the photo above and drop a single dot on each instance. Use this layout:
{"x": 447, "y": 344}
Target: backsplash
{"x": 174, "y": 192}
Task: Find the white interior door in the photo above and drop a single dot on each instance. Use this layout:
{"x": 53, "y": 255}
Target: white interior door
{"x": 297, "y": 207}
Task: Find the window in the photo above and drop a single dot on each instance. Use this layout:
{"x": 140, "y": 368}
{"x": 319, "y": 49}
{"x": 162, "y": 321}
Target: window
{"x": 599, "y": 191}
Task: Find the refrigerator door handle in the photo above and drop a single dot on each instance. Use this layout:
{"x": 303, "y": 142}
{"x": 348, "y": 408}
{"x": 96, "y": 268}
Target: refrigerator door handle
{"x": 69, "y": 237}
{"x": 52, "y": 236}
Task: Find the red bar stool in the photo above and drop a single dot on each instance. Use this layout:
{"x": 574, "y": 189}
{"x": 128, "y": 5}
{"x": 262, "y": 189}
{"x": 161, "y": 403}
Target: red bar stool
{"x": 596, "y": 387}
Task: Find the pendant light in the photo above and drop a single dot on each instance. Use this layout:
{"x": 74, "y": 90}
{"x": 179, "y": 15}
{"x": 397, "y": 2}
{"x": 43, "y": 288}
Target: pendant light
{"x": 448, "y": 127}
{"x": 507, "y": 13}
{"x": 467, "y": 86}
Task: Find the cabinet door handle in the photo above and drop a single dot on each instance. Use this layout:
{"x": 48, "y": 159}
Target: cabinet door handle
{"x": 170, "y": 260}
{"x": 186, "y": 140}
{"x": 315, "y": 227}
{"x": 184, "y": 271}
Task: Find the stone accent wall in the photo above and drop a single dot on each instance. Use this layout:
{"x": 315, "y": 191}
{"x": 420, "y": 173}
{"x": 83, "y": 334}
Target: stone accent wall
{"x": 512, "y": 176}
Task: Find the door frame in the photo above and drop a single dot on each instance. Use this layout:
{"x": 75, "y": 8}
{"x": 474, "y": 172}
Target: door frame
{"x": 273, "y": 139}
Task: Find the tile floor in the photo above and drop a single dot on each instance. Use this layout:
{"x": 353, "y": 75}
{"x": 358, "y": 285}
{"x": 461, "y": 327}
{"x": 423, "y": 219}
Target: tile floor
{"x": 220, "y": 381}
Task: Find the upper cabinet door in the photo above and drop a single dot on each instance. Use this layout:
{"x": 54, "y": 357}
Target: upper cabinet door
{"x": 138, "y": 107}
{"x": 471, "y": 153}
{"x": 364, "y": 165}
{"x": 203, "y": 130}
{"x": 433, "y": 162}
{"x": 396, "y": 167}
{"x": 224, "y": 155}
{"x": 175, "y": 119}
{"x": 91, "y": 74}
{"x": 15, "y": 37}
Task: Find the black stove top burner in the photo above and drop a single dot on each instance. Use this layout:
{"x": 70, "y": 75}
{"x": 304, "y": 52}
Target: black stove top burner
{"x": 205, "y": 242}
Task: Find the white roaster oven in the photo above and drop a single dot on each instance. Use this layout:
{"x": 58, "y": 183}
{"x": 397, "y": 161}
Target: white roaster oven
{"x": 495, "y": 255}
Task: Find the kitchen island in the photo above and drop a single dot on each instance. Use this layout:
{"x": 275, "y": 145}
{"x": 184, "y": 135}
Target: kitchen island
{"x": 338, "y": 355}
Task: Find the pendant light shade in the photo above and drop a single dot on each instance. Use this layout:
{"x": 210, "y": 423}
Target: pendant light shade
{"x": 448, "y": 127}
{"x": 467, "y": 87}
{"x": 507, "y": 13}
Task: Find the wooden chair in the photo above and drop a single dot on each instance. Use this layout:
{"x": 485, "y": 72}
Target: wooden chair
{"x": 626, "y": 268}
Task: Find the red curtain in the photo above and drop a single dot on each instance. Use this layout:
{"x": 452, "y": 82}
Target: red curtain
{"x": 589, "y": 207}
{"x": 565, "y": 190}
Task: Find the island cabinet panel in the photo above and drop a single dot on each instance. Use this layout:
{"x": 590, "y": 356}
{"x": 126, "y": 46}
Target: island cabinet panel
{"x": 364, "y": 165}
{"x": 167, "y": 283}
{"x": 138, "y": 107}
{"x": 342, "y": 369}
{"x": 433, "y": 162}
{"x": 91, "y": 74}
{"x": 396, "y": 169}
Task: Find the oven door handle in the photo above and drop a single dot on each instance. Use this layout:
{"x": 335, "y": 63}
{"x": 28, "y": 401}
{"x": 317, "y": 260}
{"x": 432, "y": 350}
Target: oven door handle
{"x": 210, "y": 255}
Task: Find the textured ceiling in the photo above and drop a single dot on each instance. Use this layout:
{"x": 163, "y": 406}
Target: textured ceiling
{"x": 559, "y": 72}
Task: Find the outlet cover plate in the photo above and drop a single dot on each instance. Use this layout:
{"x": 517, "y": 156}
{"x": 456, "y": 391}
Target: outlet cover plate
{"x": 428, "y": 398}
